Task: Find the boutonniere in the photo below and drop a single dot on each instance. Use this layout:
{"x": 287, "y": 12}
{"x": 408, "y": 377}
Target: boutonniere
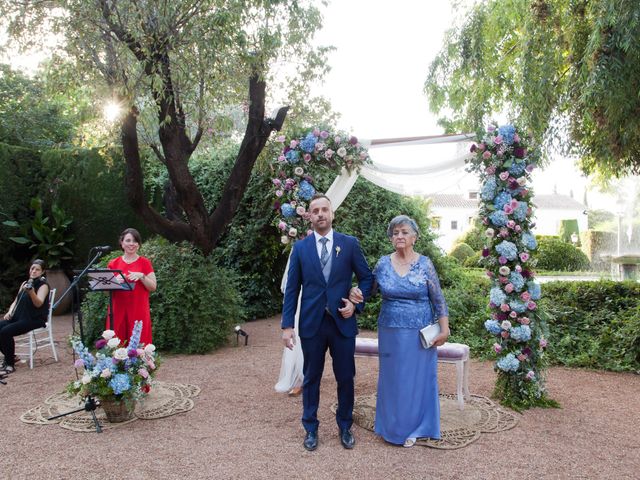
{"x": 337, "y": 251}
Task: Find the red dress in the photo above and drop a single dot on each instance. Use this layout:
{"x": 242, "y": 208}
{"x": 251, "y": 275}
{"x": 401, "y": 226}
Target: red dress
{"x": 129, "y": 306}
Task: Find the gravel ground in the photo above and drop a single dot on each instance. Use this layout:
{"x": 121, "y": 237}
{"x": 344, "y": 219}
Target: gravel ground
{"x": 241, "y": 428}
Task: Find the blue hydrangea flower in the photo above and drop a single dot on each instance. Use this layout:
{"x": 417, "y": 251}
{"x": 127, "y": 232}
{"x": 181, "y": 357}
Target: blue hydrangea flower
{"x": 521, "y": 333}
{"x": 497, "y": 296}
{"x": 534, "y": 290}
{"x": 520, "y": 212}
{"x": 308, "y": 143}
{"x": 288, "y": 210}
{"x": 517, "y": 168}
{"x": 489, "y": 189}
{"x": 292, "y": 156}
{"x": 493, "y": 327}
{"x": 508, "y": 363}
{"x": 120, "y": 383}
{"x": 529, "y": 241}
{"x": 507, "y": 250}
{"x": 501, "y": 200}
{"x": 507, "y": 132}
{"x": 306, "y": 190}
{"x": 102, "y": 363}
{"x": 517, "y": 281}
{"x": 499, "y": 218}
{"x": 517, "y": 306}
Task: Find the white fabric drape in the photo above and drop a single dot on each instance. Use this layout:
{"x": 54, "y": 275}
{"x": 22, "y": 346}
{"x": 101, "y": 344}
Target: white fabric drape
{"x": 402, "y": 165}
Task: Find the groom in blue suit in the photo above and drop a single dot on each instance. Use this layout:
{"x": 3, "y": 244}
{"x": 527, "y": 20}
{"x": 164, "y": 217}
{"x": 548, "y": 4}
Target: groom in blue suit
{"x": 322, "y": 265}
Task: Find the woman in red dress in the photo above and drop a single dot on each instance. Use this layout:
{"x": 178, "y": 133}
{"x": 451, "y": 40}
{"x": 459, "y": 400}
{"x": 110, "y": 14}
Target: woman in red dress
{"x": 132, "y": 305}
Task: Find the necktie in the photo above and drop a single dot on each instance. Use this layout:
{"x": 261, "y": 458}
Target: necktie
{"x": 324, "y": 253}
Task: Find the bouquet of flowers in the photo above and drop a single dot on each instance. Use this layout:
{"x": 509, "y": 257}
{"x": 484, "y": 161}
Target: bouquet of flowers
{"x": 118, "y": 371}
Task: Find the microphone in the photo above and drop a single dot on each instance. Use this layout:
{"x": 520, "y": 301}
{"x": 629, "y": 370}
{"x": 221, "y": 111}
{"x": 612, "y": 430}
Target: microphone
{"x": 104, "y": 248}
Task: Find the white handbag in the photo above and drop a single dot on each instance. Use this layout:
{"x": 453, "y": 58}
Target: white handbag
{"x": 428, "y": 334}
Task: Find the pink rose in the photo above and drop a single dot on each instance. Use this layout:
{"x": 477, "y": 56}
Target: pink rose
{"x": 490, "y": 170}
{"x": 497, "y": 347}
{"x": 143, "y": 373}
{"x": 504, "y": 334}
{"x": 324, "y": 134}
{"x": 504, "y": 280}
{"x": 502, "y": 260}
{"x": 508, "y": 209}
{"x": 525, "y": 296}
{"x": 517, "y": 228}
{"x": 280, "y": 139}
{"x": 504, "y": 233}
{"x": 525, "y": 321}
{"x": 531, "y": 305}
{"x": 511, "y": 224}
{"x": 481, "y": 147}
{"x": 518, "y": 268}
{"x": 513, "y": 314}
{"x": 505, "y": 308}
{"x": 504, "y": 176}
{"x": 524, "y": 256}
{"x": 328, "y": 154}
{"x": 531, "y": 375}
{"x": 522, "y": 357}
{"x": 529, "y": 168}
{"x": 300, "y": 210}
{"x": 508, "y": 287}
{"x": 497, "y": 140}
{"x": 282, "y": 158}
{"x": 489, "y": 274}
{"x": 279, "y": 193}
{"x": 491, "y": 128}
{"x": 486, "y": 155}
{"x": 516, "y": 138}
{"x": 316, "y": 132}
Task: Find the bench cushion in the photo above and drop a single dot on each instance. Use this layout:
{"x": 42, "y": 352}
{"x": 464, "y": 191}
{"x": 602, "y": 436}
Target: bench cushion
{"x": 449, "y": 351}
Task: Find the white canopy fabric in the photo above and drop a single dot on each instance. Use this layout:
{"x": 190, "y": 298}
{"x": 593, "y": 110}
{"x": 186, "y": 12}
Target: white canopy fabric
{"x": 410, "y": 165}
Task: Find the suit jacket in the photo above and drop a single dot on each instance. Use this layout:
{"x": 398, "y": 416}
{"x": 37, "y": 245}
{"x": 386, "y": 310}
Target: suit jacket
{"x": 305, "y": 272}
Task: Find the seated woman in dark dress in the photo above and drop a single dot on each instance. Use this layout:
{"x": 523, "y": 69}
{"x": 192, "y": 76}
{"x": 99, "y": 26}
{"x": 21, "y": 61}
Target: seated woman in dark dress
{"x": 27, "y": 312}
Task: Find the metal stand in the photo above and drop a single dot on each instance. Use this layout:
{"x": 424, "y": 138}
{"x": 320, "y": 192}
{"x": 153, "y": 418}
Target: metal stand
{"x": 90, "y": 405}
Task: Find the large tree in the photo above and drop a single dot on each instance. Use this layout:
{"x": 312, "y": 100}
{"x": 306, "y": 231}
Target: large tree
{"x": 567, "y": 70}
{"x": 178, "y": 67}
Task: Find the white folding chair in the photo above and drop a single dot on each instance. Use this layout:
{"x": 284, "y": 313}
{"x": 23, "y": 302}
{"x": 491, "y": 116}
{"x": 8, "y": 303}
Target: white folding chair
{"x": 29, "y": 343}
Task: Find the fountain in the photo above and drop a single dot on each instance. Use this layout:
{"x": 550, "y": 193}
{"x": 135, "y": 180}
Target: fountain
{"x": 627, "y": 257}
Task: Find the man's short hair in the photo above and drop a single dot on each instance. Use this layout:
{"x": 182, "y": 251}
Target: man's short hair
{"x": 318, "y": 196}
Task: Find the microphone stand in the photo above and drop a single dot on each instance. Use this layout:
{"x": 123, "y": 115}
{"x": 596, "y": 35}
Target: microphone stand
{"x": 90, "y": 403}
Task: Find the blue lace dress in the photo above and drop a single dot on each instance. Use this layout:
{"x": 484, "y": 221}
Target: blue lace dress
{"x": 407, "y": 404}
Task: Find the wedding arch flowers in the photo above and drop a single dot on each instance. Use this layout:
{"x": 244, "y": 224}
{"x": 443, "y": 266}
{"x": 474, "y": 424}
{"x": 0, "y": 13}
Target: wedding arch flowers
{"x": 504, "y": 161}
{"x": 118, "y": 370}
{"x": 293, "y": 183}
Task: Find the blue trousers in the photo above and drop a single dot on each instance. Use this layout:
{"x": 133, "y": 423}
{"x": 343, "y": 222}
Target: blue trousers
{"x": 342, "y": 350}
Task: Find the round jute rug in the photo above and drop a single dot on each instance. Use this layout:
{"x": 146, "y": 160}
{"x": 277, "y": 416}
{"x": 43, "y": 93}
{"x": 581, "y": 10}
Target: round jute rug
{"x": 458, "y": 428}
{"x": 165, "y": 399}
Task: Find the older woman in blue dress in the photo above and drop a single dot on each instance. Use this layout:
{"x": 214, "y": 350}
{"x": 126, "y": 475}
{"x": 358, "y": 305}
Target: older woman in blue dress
{"x": 407, "y": 405}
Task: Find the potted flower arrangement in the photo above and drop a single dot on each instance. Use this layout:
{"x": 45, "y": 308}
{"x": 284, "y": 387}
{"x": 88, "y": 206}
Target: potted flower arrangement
{"x": 118, "y": 374}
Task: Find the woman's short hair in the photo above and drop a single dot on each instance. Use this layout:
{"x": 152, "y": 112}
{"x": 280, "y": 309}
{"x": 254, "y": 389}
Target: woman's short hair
{"x": 134, "y": 233}
{"x": 40, "y": 262}
{"x": 402, "y": 220}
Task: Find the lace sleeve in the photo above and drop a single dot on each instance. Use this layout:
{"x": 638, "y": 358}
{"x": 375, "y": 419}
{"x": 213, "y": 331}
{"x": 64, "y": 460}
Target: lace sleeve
{"x": 435, "y": 292}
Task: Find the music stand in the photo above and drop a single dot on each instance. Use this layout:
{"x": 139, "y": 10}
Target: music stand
{"x": 103, "y": 279}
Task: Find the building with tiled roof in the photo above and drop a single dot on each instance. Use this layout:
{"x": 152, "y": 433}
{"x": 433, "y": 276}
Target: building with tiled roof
{"x": 453, "y": 213}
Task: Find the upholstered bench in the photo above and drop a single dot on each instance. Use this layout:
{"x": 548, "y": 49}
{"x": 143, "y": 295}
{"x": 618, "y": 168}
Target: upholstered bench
{"x": 457, "y": 353}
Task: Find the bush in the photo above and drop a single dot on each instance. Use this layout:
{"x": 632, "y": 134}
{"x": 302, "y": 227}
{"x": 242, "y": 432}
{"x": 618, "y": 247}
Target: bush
{"x": 473, "y": 261}
{"x": 194, "y": 308}
{"x": 554, "y": 254}
{"x": 461, "y": 252}
{"x": 21, "y": 180}
{"x": 568, "y": 228}
{"x": 594, "y": 324}
{"x": 90, "y": 187}
{"x": 474, "y": 237}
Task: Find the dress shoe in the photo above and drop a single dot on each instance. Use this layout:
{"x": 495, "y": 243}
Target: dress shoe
{"x": 295, "y": 391}
{"x": 347, "y": 439}
{"x": 311, "y": 441}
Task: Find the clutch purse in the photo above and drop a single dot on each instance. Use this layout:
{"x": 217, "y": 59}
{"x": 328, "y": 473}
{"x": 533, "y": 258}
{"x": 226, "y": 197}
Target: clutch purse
{"x": 428, "y": 334}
